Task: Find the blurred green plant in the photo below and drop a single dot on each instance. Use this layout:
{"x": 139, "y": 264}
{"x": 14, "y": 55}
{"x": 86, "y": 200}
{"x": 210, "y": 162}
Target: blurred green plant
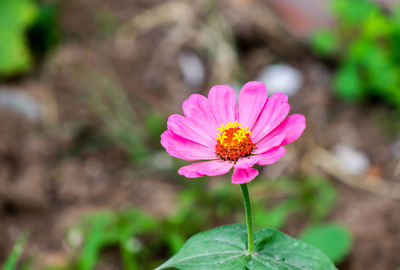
{"x": 365, "y": 42}
{"x": 45, "y": 34}
{"x": 106, "y": 22}
{"x": 332, "y": 239}
{"x": 155, "y": 125}
{"x": 28, "y": 31}
{"x": 312, "y": 195}
{"x": 12, "y": 260}
{"x": 104, "y": 229}
{"x": 121, "y": 122}
{"x": 143, "y": 241}
{"x": 16, "y": 17}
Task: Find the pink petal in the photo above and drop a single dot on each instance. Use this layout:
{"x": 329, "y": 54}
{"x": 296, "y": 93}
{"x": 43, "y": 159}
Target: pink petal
{"x": 182, "y": 148}
{"x": 269, "y": 143}
{"x": 198, "y": 110}
{"x": 273, "y": 113}
{"x": 190, "y": 171}
{"x": 222, "y": 99}
{"x": 291, "y": 129}
{"x": 271, "y": 156}
{"x": 266, "y": 158}
{"x": 216, "y": 167}
{"x": 241, "y": 176}
{"x": 187, "y": 129}
{"x": 252, "y": 99}
{"x": 210, "y": 168}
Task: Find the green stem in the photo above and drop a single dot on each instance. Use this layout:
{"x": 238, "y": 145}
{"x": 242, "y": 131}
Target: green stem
{"x": 249, "y": 218}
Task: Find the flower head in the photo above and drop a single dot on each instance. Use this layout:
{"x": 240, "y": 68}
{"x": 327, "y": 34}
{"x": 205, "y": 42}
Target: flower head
{"x": 230, "y": 136}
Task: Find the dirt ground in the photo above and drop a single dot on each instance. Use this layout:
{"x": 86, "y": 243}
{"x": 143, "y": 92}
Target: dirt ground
{"x": 51, "y": 172}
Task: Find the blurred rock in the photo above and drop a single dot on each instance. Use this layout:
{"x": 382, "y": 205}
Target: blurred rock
{"x": 192, "y": 68}
{"x": 21, "y": 102}
{"x": 281, "y": 78}
{"x": 161, "y": 161}
{"x": 396, "y": 149}
{"x": 351, "y": 160}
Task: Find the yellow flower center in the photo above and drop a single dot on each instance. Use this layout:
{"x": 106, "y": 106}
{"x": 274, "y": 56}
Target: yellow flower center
{"x": 233, "y": 141}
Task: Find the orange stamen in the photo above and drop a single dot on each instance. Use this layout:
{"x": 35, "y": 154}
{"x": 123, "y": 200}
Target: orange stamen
{"x": 233, "y": 141}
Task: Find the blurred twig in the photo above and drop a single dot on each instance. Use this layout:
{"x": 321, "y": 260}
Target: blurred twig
{"x": 199, "y": 25}
{"x": 325, "y": 160}
{"x": 112, "y": 106}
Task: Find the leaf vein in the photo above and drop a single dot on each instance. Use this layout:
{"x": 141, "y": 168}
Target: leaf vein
{"x": 275, "y": 261}
{"x": 205, "y": 255}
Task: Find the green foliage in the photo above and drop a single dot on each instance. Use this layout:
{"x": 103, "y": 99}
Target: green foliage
{"x": 142, "y": 241}
{"x": 312, "y": 195}
{"x": 366, "y": 42}
{"x": 155, "y": 125}
{"x": 354, "y": 11}
{"x": 334, "y": 240}
{"x": 105, "y": 229}
{"x": 16, "y": 17}
{"x": 225, "y": 248}
{"x": 16, "y": 252}
{"x": 324, "y": 42}
{"x": 347, "y": 83}
{"x": 44, "y": 34}
{"x": 274, "y": 217}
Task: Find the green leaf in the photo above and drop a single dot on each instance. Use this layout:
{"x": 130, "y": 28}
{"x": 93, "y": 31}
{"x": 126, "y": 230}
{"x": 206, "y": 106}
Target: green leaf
{"x": 347, "y": 82}
{"x": 16, "y": 17}
{"x": 45, "y": 33}
{"x": 91, "y": 250}
{"x": 277, "y": 251}
{"x": 12, "y": 260}
{"x": 353, "y": 12}
{"x": 334, "y": 240}
{"x": 273, "y": 217}
{"x": 221, "y": 248}
{"x": 324, "y": 42}
{"x": 225, "y": 248}
{"x": 113, "y": 228}
{"x": 377, "y": 26}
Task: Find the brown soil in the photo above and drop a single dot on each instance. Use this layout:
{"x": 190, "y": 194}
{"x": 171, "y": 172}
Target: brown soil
{"x": 55, "y": 170}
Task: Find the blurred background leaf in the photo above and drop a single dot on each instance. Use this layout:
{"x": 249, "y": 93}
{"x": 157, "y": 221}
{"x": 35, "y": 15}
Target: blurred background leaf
{"x": 332, "y": 239}
{"x": 16, "y": 17}
{"x": 12, "y": 260}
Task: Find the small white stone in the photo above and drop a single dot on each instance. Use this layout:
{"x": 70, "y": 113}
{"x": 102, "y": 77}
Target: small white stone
{"x": 351, "y": 160}
{"x": 281, "y": 78}
{"x": 192, "y": 69}
{"x": 396, "y": 149}
{"x": 20, "y": 102}
{"x": 75, "y": 238}
{"x": 162, "y": 161}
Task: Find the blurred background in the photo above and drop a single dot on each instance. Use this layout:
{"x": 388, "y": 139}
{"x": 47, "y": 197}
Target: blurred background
{"x": 86, "y": 87}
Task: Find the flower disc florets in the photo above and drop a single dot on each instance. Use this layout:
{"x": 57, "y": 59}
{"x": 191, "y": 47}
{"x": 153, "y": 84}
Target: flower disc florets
{"x": 233, "y": 142}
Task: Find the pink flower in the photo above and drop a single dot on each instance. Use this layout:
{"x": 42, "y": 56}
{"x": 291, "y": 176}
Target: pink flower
{"x": 228, "y": 136}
